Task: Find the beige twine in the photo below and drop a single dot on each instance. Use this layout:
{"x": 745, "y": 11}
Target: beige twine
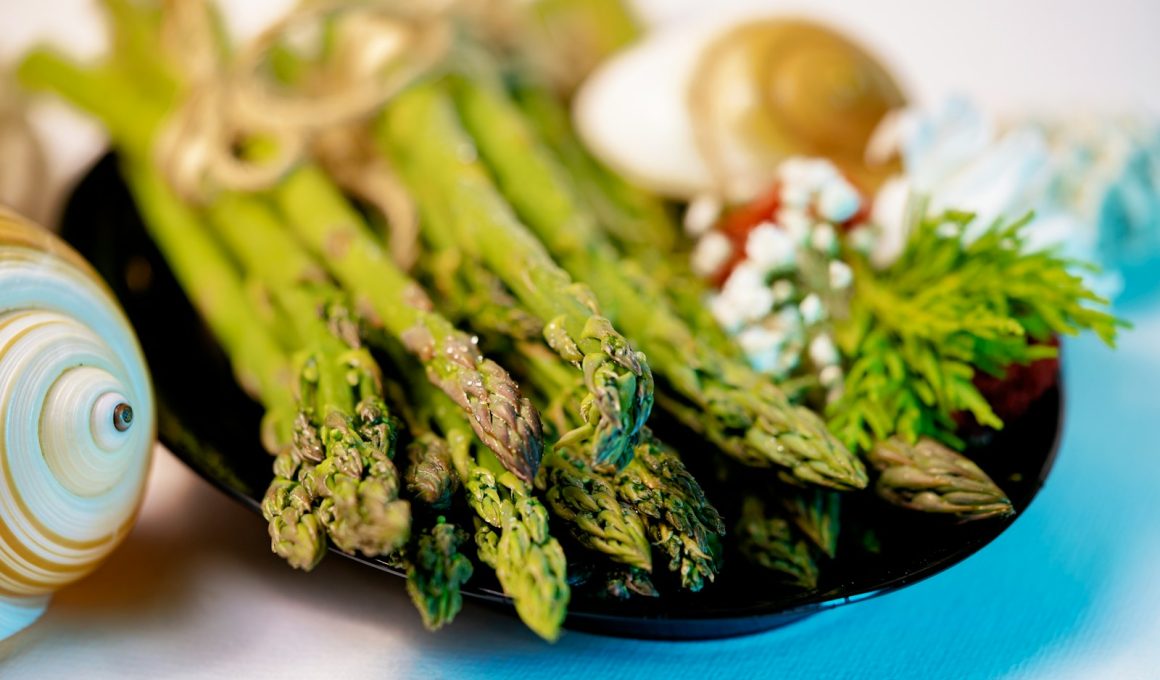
{"x": 379, "y": 47}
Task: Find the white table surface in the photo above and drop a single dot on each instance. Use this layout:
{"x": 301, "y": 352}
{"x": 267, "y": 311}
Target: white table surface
{"x": 194, "y": 592}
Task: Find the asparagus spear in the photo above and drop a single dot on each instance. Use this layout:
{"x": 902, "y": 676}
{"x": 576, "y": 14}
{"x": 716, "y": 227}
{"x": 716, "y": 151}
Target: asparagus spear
{"x": 358, "y": 513}
{"x": 466, "y": 290}
{"x": 680, "y": 520}
{"x": 505, "y": 421}
{"x": 768, "y": 540}
{"x": 637, "y": 223}
{"x": 435, "y": 564}
{"x": 436, "y": 570}
{"x": 511, "y": 533}
{"x": 344, "y": 431}
{"x": 740, "y": 411}
{"x": 655, "y": 488}
{"x": 930, "y": 477}
{"x": 633, "y": 219}
{"x": 816, "y": 513}
{"x": 575, "y": 492}
{"x": 430, "y": 476}
{"x": 430, "y": 149}
{"x": 262, "y": 366}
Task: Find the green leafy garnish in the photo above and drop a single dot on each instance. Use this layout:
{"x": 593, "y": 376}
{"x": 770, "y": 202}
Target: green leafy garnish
{"x": 919, "y": 330}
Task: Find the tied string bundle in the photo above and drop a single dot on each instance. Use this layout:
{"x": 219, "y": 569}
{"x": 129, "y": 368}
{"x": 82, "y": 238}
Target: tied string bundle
{"x": 245, "y": 122}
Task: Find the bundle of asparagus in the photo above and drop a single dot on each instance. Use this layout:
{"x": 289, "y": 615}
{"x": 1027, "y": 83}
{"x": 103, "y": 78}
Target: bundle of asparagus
{"x": 577, "y": 287}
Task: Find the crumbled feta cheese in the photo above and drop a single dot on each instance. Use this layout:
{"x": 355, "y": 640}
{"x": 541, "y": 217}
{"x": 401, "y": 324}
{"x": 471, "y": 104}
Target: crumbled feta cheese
{"x": 789, "y": 320}
{"x": 841, "y": 276}
{"x": 830, "y": 376}
{"x": 822, "y": 351}
{"x": 796, "y": 195}
{"x": 770, "y": 247}
{"x": 796, "y": 223}
{"x": 755, "y": 305}
{"x": 746, "y": 293}
{"x": 812, "y": 309}
{"x": 702, "y": 214}
{"x": 823, "y": 238}
{"x": 863, "y": 239}
{"x": 768, "y": 349}
{"x": 783, "y": 291}
{"x": 726, "y": 312}
{"x": 762, "y": 362}
{"x": 838, "y": 201}
{"x": 812, "y": 172}
{"x": 757, "y": 339}
{"x": 745, "y": 278}
{"x": 710, "y": 254}
{"x": 787, "y": 361}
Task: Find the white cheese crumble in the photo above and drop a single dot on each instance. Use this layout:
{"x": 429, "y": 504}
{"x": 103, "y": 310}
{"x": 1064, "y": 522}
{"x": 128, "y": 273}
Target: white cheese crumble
{"x": 841, "y": 276}
{"x": 770, "y": 247}
{"x": 822, "y": 351}
{"x": 812, "y": 309}
{"x": 824, "y": 239}
{"x": 783, "y": 291}
{"x": 838, "y": 201}
{"x": 711, "y": 253}
{"x": 702, "y": 214}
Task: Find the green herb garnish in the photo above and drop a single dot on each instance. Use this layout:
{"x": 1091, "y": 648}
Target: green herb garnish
{"x": 919, "y": 330}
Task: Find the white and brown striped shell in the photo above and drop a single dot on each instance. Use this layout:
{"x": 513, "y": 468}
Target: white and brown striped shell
{"x": 77, "y": 421}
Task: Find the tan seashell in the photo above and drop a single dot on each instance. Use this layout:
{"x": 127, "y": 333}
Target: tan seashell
{"x": 77, "y": 420}
{"x": 767, "y": 90}
{"x": 714, "y": 107}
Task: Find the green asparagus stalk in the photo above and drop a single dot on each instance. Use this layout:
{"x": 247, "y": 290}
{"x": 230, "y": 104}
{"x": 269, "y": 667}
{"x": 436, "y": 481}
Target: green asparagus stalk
{"x": 512, "y": 536}
{"x": 505, "y": 421}
{"x": 739, "y": 410}
{"x": 340, "y": 387}
{"x": 681, "y": 522}
{"x": 296, "y": 534}
{"x": 595, "y": 516}
{"x": 577, "y": 494}
{"x": 436, "y": 571}
{"x": 816, "y": 513}
{"x": 419, "y": 130}
{"x": 768, "y": 540}
{"x": 434, "y": 561}
{"x": 637, "y": 223}
{"x": 616, "y": 582}
{"x": 430, "y": 476}
{"x": 511, "y": 533}
{"x": 358, "y": 513}
{"x": 467, "y": 290}
{"x": 657, "y": 488}
{"x": 635, "y": 220}
{"x": 262, "y": 366}
{"x": 584, "y": 499}
{"x": 930, "y": 477}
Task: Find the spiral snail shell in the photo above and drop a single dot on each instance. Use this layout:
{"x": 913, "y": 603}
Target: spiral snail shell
{"x": 76, "y": 421}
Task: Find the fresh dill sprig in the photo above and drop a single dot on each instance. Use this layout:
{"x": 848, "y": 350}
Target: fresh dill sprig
{"x": 918, "y": 331}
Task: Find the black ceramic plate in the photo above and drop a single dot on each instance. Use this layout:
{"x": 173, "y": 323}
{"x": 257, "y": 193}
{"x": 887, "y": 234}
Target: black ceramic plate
{"x": 211, "y": 426}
